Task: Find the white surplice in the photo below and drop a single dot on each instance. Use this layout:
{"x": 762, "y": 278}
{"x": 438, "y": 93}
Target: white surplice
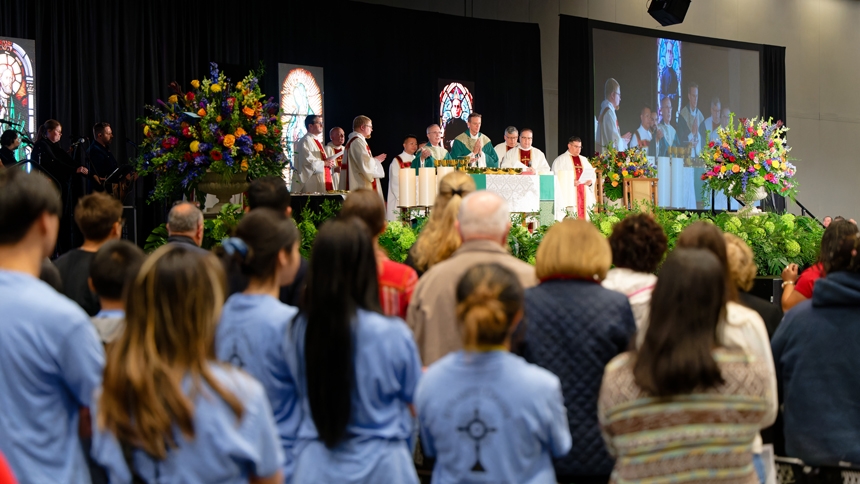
{"x": 538, "y": 159}
{"x": 363, "y": 168}
{"x": 501, "y": 150}
{"x": 403, "y": 160}
{"x": 564, "y": 162}
{"x": 331, "y": 149}
{"x": 309, "y": 166}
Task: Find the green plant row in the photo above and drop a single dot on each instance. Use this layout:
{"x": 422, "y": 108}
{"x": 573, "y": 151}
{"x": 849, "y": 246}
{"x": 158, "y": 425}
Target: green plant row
{"x": 776, "y": 240}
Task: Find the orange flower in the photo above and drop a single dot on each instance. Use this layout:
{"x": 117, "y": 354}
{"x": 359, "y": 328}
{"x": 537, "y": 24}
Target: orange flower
{"x": 615, "y": 183}
{"x": 258, "y": 147}
{"x": 244, "y": 165}
{"x": 735, "y": 168}
{"x": 262, "y": 129}
{"x": 201, "y": 112}
{"x": 229, "y": 141}
{"x": 248, "y": 111}
{"x": 240, "y": 132}
{"x": 218, "y": 119}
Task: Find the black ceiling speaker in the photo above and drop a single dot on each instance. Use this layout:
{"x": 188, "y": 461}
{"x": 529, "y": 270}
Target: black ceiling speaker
{"x": 668, "y": 12}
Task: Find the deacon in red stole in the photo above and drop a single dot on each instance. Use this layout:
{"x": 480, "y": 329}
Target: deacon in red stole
{"x": 526, "y": 156}
{"x": 571, "y": 160}
{"x": 335, "y": 147}
{"x": 364, "y": 169}
{"x": 312, "y": 170}
{"x": 403, "y": 160}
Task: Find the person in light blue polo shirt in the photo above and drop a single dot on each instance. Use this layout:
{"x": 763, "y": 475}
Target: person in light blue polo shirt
{"x": 51, "y": 359}
{"x": 486, "y": 414}
{"x": 357, "y": 369}
{"x": 253, "y": 327}
{"x": 167, "y": 411}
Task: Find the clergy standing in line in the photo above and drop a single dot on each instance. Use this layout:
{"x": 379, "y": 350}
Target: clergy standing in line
{"x": 335, "y": 147}
{"x": 312, "y": 171}
{"x": 608, "y": 131}
{"x": 665, "y": 136}
{"x": 712, "y": 124}
{"x": 403, "y": 160}
{"x": 526, "y": 156}
{"x": 432, "y": 150}
{"x": 642, "y": 136}
{"x": 692, "y": 134}
{"x": 364, "y": 169}
{"x": 475, "y": 145}
{"x": 585, "y": 176}
{"x": 511, "y": 135}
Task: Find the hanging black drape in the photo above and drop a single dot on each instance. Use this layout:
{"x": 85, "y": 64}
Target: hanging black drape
{"x": 103, "y": 60}
{"x": 773, "y": 101}
{"x": 575, "y": 83}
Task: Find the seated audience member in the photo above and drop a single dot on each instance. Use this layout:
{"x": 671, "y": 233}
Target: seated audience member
{"x": 742, "y": 328}
{"x": 49, "y": 273}
{"x": 50, "y": 357}
{"x": 167, "y": 410}
{"x": 357, "y": 369}
{"x": 817, "y": 361}
{"x": 271, "y": 192}
{"x": 185, "y": 224}
{"x": 6, "y": 475}
{"x": 99, "y": 217}
{"x": 682, "y": 408}
{"x": 797, "y": 289}
{"x": 483, "y": 223}
{"x": 439, "y": 238}
{"x": 742, "y": 270}
{"x": 253, "y": 327}
{"x": 574, "y": 327}
{"x": 638, "y": 245}
{"x": 826, "y": 221}
{"x": 484, "y": 385}
{"x": 396, "y": 280}
{"x": 114, "y": 266}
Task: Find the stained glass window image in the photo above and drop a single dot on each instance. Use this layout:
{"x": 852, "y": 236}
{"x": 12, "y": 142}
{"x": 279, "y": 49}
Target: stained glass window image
{"x": 300, "y": 96}
{"x": 17, "y": 91}
{"x": 455, "y": 102}
{"x": 669, "y": 73}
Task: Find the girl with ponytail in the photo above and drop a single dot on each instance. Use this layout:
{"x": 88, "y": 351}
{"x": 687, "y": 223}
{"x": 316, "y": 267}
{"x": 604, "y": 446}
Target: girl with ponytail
{"x": 357, "y": 369}
{"x": 440, "y": 239}
{"x": 485, "y": 413}
{"x": 264, "y": 255}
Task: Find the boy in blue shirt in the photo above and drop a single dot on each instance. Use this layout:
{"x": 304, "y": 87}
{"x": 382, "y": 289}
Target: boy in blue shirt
{"x": 113, "y": 266}
{"x": 50, "y": 356}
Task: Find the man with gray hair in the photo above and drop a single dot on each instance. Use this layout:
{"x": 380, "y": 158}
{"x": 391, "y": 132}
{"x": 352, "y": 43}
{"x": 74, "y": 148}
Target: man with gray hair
{"x": 484, "y": 222}
{"x": 432, "y": 150}
{"x": 511, "y": 135}
{"x": 185, "y": 224}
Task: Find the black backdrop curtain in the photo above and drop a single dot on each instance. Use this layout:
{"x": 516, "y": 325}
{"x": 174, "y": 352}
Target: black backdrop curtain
{"x": 576, "y": 83}
{"x": 103, "y": 60}
{"x": 773, "y": 100}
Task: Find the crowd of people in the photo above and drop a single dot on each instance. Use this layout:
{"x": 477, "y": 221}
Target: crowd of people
{"x": 608, "y": 360}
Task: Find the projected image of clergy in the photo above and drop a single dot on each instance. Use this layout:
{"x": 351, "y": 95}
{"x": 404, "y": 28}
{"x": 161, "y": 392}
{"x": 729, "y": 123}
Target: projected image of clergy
{"x": 455, "y": 105}
{"x": 17, "y": 90}
{"x": 300, "y": 96}
{"x": 669, "y": 69}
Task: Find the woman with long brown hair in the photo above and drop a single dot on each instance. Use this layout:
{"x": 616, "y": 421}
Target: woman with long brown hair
{"x": 167, "y": 410}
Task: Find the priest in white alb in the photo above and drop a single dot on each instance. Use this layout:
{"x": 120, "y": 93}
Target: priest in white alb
{"x": 511, "y": 136}
{"x": 313, "y": 169}
{"x": 363, "y": 169}
{"x": 403, "y": 160}
{"x": 335, "y": 147}
{"x": 526, "y": 156}
{"x": 584, "y": 176}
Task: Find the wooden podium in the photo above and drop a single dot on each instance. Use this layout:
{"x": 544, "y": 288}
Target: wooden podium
{"x": 641, "y": 190}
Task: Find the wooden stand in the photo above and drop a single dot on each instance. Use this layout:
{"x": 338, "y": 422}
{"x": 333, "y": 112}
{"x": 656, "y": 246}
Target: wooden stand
{"x": 642, "y": 190}
{"x": 598, "y": 192}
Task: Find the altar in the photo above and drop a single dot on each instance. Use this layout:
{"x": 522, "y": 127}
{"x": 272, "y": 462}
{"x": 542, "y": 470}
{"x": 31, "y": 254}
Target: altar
{"x": 538, "y": 195}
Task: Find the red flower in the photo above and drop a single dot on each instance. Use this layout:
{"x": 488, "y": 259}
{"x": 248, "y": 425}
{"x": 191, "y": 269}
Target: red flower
{"x": 186, "y": 156}
{"x": 231, "y": 101}
{"x": 752, "y": 155}
{"x": 711, "y": 144}
{"x": 166, "y": 144}
{"x": 704, "y": 177}
{"x": 750, "y": 130}
{"x": 190, "y": 96}
{"x": 186, "y": 132}
{"x": 216, "y": 155}
{"x": 732, "y": 158}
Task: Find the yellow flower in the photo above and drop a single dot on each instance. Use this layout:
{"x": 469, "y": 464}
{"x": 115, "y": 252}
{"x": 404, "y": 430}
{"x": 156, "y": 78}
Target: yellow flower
{"x": 201, "y": 112}
{"x": 623, "y": 172}
{"x": 777, "y": 165}
{"x": 757, "y": 166}
{"x": 195, "y": 146}
{"x": 195, "y": 84}
{"x": 244, "y": 165}
{"x": 240, "y": 132}
{"x": 229, "y": 141}
{"x": 173, "y": 99}
{"x": 716, "y": 156}
{"x": 239, "y": 85}
{"x": 723, "y": 169}
{"x": 215, "y": 88}
{"x": 749, "y": 141}
{"x": 146, "y": 130}
{"x": 759, "y": 132}
{"x": 258, "y": 147}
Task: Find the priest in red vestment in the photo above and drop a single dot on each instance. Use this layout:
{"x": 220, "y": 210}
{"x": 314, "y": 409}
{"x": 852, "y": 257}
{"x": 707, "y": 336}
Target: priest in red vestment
{"x": 585, "y": 175}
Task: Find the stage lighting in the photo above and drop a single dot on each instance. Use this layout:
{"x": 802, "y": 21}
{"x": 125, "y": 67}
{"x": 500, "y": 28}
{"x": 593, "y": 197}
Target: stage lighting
{"x": 668, "y": 12}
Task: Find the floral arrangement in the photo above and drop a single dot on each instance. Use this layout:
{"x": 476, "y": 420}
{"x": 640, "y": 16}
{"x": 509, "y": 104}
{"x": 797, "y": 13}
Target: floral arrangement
{"x": 617, "y": 165}
{"x": 216, "y": 127}
{"x": 748, "y": 156}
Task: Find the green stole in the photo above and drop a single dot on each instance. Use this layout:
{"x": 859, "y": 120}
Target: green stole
{"x": 464, "y": 144}
{"x": 436, "y": 153}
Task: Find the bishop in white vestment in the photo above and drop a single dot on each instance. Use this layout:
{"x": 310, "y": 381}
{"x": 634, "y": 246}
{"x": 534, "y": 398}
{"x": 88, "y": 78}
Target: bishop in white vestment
{"x": 526, "y": 156}
{"x": 585, "y": 176}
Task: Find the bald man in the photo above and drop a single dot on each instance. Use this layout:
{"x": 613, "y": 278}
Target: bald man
{"x": 432, "y": 150}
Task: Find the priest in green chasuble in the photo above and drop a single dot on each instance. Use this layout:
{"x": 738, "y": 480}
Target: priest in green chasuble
{"x": 475, "y": 145}
{"x": 432, "y": 150}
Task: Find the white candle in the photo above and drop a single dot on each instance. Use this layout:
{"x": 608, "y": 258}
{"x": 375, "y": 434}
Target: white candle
{"x": 567, "y": 185}
{"x": 426, "y": 186}
{"x": 440, "y": 174}
{"x": 407, "y": 187}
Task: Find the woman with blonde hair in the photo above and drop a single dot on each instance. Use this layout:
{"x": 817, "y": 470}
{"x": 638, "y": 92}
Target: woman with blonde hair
{"x": 484, "y": 386}
{"x": 167, "y": 411}
{"x": 574, "y": 328}
{"x": 440, "y": 239}
{"x": 742, "y": 270}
